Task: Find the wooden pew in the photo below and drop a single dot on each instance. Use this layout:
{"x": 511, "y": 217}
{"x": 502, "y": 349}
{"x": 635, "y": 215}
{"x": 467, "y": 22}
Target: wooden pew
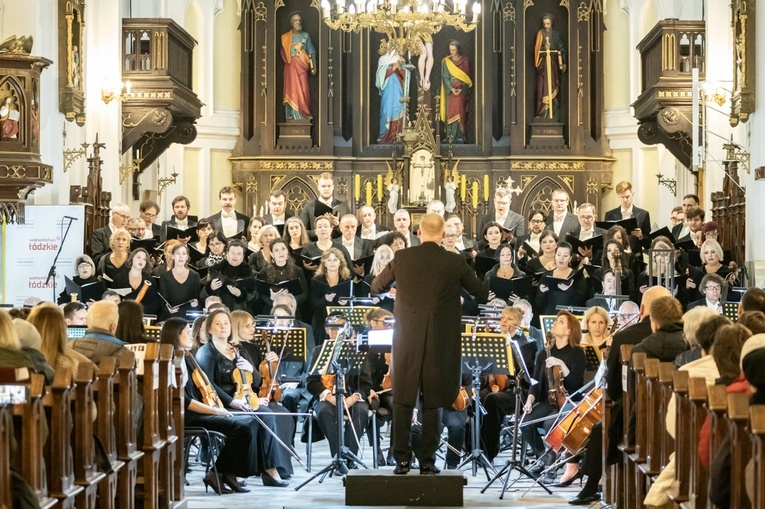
{"x": 169, "y": 454}
{"x": 757, "y": 429}
{"x": 9, "y": 376}
{"x": 684, "y": 441}
{"x": 125, "y": 396}
{"x": 86, "y": 473}
{"x": 626, "y": 467}
{"x": 666, "y": 379}
{"x": 153, "y": 444}
{"x": 646, "y": 375}
{"x": 612, "y": 485}
{"x": 106, "y": 430}
{"x": 741, "y": 448}
{"x": 29, "y": 424}
{"x": 58, "y": 449}
{"x": 179, "y": 416}
{"x": 697, "y": 393}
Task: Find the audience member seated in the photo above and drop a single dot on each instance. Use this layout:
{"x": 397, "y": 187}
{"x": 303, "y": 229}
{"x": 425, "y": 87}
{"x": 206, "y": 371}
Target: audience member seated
{"x": 130, "y": 327}
{"x": 31, "y": 343}
{"x": 76, "y": 313}
{"x": 51, "y": 324}
{"x": 692, "y": 320}
{"x": 99, "y": 340}
{"x": 711, "y": 288}
{"x": 11, "y": 354}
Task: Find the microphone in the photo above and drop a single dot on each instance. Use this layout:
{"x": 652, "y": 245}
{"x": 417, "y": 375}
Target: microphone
{"x": 70, "y": 217}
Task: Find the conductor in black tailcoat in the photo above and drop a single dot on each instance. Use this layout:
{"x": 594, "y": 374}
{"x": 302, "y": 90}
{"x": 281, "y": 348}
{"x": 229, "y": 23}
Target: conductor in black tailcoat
{"x": 426, "y": 349}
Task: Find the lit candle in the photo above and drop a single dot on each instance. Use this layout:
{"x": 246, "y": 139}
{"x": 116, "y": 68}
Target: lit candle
{"x": 476, "y": 11}
{"x": 463, "y": 188}
{"x": 380, "y": 187}
{"x": 325, "y": 9}
{"x": 369, "y": 193}
{"x": 475, "y": 194}
{"x": 486, "y": 187}
{"x": 356, "y": 187}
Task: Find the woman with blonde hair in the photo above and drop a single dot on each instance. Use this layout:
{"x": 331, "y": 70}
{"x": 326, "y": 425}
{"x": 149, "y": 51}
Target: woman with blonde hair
{"x": 383, "y": 256}
{"x": 262, "y": 257}
{"x": 597, "y": 322}
{"x": 11, "y": 355}
{"x": 295, "y": 233}
{"x": 332, "y": 272}
{"x": 50, "y": 323}
{"x": 114, "y": 264}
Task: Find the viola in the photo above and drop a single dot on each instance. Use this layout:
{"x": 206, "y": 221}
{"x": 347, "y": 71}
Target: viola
{"x": 498, "y": 383}
{"x": 269, "y": 387}
{"x": 243, "y": 381}
{"x": 199, "y": 377}
{"x": 556, "y": 391}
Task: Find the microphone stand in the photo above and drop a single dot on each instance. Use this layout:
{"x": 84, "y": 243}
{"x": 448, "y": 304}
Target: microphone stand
{"x": 52, "y": 271}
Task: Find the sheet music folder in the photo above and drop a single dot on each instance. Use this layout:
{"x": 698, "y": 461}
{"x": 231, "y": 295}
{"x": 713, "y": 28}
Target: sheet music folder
{"x": 295, "y": 338}
{"x": 348, "y": 356}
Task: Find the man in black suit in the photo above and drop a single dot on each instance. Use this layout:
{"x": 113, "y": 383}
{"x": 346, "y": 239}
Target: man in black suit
{"x": 503, "y": 215}
{"x": 711, "y": 288}
{"x": 326, "y": 187}
{"x": 463, "y": 241}
{"x": 180, "y": 219}
{"x": 401, "y": 222}
{"x": 357, "y": 248}
{"x": 99, "y": 242}
{"x": 682, "y": 229}
{"x": 277, "y": 203}
{"x": 149, "y": 211}
{"x": 368, "y": 229}
{"x": 426, "y": 353}
{"x": 586, "y": 214}
{"x": 609, "y": 288}
{"x": 629, "y": 210}
{"x": 561, "y": 221}
{"x": 229, "y": 221}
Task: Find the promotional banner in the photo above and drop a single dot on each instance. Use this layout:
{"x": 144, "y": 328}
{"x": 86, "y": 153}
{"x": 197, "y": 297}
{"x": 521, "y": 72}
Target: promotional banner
{"x": 27, "y": 252}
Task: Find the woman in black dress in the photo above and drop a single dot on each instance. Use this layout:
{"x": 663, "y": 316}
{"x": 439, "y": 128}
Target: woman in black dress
{"x": 383, "y": 256}
{"x": 548, "y": 243}
{"x": 711, "y": 253}
{"x": 572, "y": 293}
{"x": 85, "y": 275}
{"x": 332, "y": 271}
{"x": 505, "y": 269}
{"x": 204, "y": 231}
{"x": 492, "y": 233}
{"x": 137, "y": 283}
{"x": 281, "y": 269}
{"x": 218, "y": 358}
{"x": 613, "y": 255}
{"x": 323, "y": 230}
{"x": 563, "y": 344}
{"x": 233, "y": 268}
{"x": 216, "y": 250}
{"x": 112, "y": 265}
{"x": 295, "y": 233}
{"x": 179, "y": 287}
{"x": 262, "y": 257}
{"x": 167, "y": 258}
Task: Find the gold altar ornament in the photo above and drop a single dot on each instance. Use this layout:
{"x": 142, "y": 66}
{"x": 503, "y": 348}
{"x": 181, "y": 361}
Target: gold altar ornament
{"x": 406, "y": 23}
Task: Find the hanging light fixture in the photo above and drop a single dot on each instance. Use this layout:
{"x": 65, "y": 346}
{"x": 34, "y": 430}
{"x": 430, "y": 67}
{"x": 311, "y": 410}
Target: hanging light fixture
{"x": 405, "y": 23}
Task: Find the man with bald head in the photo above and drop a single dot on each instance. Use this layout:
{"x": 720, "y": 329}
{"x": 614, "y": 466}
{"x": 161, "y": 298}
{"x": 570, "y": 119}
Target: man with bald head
{"x": 426, "y": 349}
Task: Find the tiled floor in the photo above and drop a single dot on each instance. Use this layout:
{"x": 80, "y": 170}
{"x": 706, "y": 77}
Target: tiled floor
{"x": 331, "y": 494}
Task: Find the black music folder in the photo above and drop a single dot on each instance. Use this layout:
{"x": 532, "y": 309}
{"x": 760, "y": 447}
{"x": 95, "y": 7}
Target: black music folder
{"x": 179, "y": 233}
{"x": 503, "y": 288}
{"x": 86, "y": 292}
{"x": 628, "y": 224}
{"x": 291, "y": 285}
{"x": 596, "y": 243}
{"x": 552, "y": 282}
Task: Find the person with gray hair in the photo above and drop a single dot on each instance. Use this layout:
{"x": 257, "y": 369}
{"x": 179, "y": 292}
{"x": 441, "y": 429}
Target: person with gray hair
{"x": 99, "y": 340}
{"x": 692, "y": 320}
{"x": 402, "y": 221}
{"x": 99, "y": 242}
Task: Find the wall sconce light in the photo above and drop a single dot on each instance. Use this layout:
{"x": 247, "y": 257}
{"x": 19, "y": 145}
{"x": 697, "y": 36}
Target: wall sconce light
{"x": 110, "y": 92}
{"x": 714, "y": 93}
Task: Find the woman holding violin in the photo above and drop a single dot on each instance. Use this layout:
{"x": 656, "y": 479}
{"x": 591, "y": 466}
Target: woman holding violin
{"x": 497, "y": 391}
{"x": 559, "y": 368}
{"x": 232, "y": 376}
{"x": 380, "y": 395}
{"x": 239, "y": 455}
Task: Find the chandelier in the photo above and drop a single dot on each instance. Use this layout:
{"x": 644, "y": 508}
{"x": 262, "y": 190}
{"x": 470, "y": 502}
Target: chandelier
{"x": 408, "y": 24}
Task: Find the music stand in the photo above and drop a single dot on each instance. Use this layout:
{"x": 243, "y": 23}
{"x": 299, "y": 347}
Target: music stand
{"x": 340, "y": 362}
{"x": 489, "y": 354}
{"x": 356, "y": 315}
{"x": 514, "y": 463}
{"x": 295, "y": 339}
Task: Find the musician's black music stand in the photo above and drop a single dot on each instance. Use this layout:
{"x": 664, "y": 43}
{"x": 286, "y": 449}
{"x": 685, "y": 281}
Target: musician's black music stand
{"x": 489, "y": 354}
{"x": 514, "y": 463}
{"x": 341, "y": 362}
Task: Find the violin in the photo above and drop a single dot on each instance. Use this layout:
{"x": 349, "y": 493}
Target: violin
{"x": 199, "y": 377}
{"x": 498, "y": 383}
{"x": 269, "y": 387}
{"x": 387, "y": 383}
{"x": 556, "y": 391}
{"x": 462, "y": 401}
{"x": 243, "y": 381}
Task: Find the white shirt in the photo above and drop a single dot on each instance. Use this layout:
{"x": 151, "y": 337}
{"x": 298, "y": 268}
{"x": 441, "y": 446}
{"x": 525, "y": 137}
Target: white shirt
{"x": 408, "y": 240}
{"x": 717, "y": 307}
{"x": 348, "y": 244}
{"x": 148, "y": 233}
{"x": 277, "y": 220}
{"x": 328, "y": 203}
{"x": 368, "y": 233}
{"x": 501, "y": 219}
{"x": 558, "y": 222}
{"x": 685, "y": 230}
{"x": 228, "y": 223}
{"x": 627, "y": 214}
{"x": 181, "y": 225}
{"x": 460, "y": 244}
{"x": 586, "y": 234}
{"x": 533, "y": 241}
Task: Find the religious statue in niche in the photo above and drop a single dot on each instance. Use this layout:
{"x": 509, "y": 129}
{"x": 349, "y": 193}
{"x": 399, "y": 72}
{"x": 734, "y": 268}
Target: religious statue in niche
{"x": 393, "y": 191}
{"x": 393, "y": 82}
{"x": 550, "y": 61}
{"x": 76, "y": 69}
{"x": 425, "y": 62}
{"x": 9, "y": 119}
{"x": 299, "y": 56}
{"x": 450, "y": 190}
{"x": 455, "y": 91}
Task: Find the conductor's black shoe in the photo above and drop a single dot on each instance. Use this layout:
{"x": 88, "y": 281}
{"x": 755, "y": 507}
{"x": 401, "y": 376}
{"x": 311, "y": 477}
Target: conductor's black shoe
{"x": 402, "y": 467}
{"x": 584, "y": 499}
{"x": 429, "y": 470}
